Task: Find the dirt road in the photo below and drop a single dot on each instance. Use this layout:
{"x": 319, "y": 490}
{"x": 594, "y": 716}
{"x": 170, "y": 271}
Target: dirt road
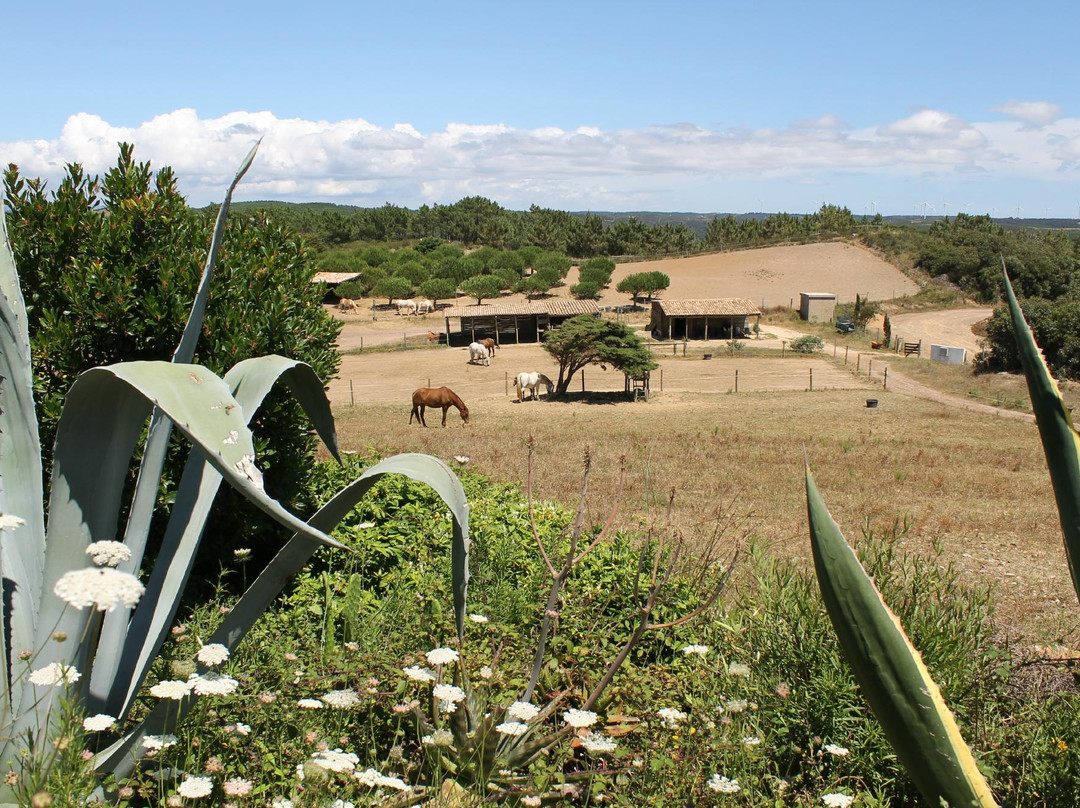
{"x": 951, "y": 327}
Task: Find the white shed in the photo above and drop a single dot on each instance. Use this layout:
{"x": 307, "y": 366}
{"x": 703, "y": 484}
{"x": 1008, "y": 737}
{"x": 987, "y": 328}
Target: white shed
{"x": 817, "y": 307}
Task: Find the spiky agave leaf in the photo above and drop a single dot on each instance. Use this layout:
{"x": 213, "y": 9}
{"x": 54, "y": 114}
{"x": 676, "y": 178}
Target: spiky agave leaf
{"x": 119, "y": 758}
{"x": 128, "y": 647}
{"x": 1061, "y": 445}
{"x": 905, "y": 700}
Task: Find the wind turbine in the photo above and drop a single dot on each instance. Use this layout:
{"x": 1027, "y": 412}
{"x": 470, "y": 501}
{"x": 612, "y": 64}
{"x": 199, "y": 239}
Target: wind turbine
{"x": 1018, "y": 209}
{"x": 945, "y": 209}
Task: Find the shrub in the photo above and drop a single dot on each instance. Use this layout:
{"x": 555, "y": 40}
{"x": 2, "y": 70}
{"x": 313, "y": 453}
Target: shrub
{"x": 807, "y": 343}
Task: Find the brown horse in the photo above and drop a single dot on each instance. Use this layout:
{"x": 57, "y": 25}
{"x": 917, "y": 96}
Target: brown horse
{"x": 488, "y": 343}
{"x": 436, "y": 397}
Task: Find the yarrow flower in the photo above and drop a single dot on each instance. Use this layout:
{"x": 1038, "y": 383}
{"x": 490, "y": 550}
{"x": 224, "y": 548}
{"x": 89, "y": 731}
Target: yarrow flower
{"x": 155, "y": 743}
{"x": 341, "y": 699}
{"x": 236, "y": 787}
{"x": 751, "y": 740}
{"x": 54, "y": 674}
{"x": 531, "y": 801}
{"x": 213, "y": 654}
{"x": 837, "y": 800}
{"x": 195, "y": 787}
{"x": 213, "y": 684}
{"x": 523, "y": 711}
{"x": 839, "y": 751}
{"x": 171, "y": 689}
{"x": 281, "y": 802}
{"x": 239, "y": 728}
{"x": 334, "y": 760}
{"x": 98, "y": 723}
{"x": 513, "y": 728}
{"x": 598, "y": 744}
{"x": 439, "y": 737}
{"x": 448, "y": 694}
{"x": 700, "y": 650}
{"x": 723, "y": 784}
{"x": 671, "y": 716}
{"x": 310, "y": 704}
{"x": 579, "y": 718}
{"x": 442, "y": 656}
{"x": 734, "y": 706}
{"x": 108, "y": 553}
{"x": 486, "y": 672}
{"x": 101, "y": 587}
{"x": 478, "y": 618}
{"x": 738, "y": 669}
{"x": 418, "y": 674}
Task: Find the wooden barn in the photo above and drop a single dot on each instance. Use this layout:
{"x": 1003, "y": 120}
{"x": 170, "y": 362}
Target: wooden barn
{"x": 511, "y": 321}
{"x": 719, "y": 318}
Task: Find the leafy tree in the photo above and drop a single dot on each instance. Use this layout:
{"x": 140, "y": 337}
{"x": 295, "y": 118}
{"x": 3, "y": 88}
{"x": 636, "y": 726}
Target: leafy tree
{"x": 428, "y": 244}
{"x": 392, "y": 287}
{"x": 586, "y": 340}
{"x": 415, "y": 271}
{"x": 807, "y": 343}
{"x": 585, "y": 290}
{"x": 533, "y": 286}
{"x": 110, "y": 265}
{"x": 482, "y": 287}
{"x": 437, "y": 289}
{"x": 634, "y": 285}
{"x": 655, "y": 282}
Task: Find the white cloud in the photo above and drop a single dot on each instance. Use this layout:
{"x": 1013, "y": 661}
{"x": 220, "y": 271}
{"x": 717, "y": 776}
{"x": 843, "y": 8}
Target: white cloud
{"x": 356, "y": 161}
{"x": 1036, "y": 113}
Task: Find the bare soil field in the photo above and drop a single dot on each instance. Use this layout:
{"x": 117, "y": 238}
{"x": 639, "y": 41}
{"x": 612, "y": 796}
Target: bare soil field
{"x": 965, "y": 476}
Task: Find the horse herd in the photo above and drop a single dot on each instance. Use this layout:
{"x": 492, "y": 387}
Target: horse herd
{"x": 419, "y": 306}
{"x": 444, "y": 398}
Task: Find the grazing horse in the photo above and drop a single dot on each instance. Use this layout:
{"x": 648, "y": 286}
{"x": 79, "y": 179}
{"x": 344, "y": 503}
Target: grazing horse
{"x": 405, "y": 306}
{"x": 436, "y": 397}
{"x": 530, "y": 381}
{"x": 488, "y": 343}
{"x": 478, "y": 353}
{"x": 424, "y": 306}
{"x": 345, "y": 304}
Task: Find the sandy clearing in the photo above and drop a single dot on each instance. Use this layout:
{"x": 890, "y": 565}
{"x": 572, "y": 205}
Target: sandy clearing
{"x": 951, "y": 327}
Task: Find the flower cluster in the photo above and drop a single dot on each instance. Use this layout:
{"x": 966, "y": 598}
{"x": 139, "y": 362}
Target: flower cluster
{"x": 101, "y": 587}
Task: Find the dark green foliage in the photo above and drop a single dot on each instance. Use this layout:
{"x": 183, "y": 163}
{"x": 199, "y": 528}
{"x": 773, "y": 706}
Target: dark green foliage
{"x": 109, "y": 268}
{"x": 586, "y": 290}
{"x": 428, "y": 244}
{"x": 482, "y": 287}
{"x": 586, "y": 340}
{"x": 437, "y": 289}
{"x": 351, "y": 289}
{"x": 533, "y": 286}
{"x": 641, "y": 283}
{"x": 1056, "y": 327}
{"x": 807, "y": 343}
{"x": 393, "y": 287}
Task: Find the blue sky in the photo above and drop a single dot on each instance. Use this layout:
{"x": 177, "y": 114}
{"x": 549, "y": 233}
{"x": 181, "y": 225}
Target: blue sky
{"x": 689, "y": 106}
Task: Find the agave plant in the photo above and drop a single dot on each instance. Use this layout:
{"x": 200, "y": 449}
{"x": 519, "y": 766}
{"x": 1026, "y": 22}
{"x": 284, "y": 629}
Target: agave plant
{"x": 104, "y": 654}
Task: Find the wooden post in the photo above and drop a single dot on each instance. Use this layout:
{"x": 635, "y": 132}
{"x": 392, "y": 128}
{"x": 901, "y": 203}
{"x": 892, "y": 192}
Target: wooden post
{"x": 583, "y": 380}
{"x": 858, "y": 362}
{"x": 352, "y": 398}
{"x": 404, "y": 340}
{"x": 506, "y": 383}
{"x": 783, "y": 348}
{"x": 870, "y": 369}
{"x": 845, "y": 354}
{"x": 811, "y": 380}
{"x": 736, "y": 380}
{"x": 674, "y": 349}
{"x": 361, "y": 344}
{"x": 661, "y": 380}
{"x": 885, "y": 379}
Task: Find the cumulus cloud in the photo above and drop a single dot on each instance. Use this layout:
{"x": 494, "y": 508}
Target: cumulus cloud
{"x": 355, "y": 161}
{"x": 1035, "y": 113}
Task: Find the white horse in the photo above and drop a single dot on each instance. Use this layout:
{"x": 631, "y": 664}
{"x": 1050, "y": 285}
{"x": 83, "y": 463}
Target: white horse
{"x": 530, "y": 381}
{"x": 424, "y": 306}
{"x": 479, "y": 353}
{"x": 405, "y": 307}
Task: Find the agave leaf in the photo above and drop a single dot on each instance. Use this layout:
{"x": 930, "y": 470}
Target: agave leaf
{"x": 157, "y": 440}
{"x": 22, "y": 548}
{"x": 1061, "y": 444}
{"x": 905, "y": 700}
{"x": 127, "y": 649}
{"x": 119, "y": 758}
{"x": 96, "y": 435}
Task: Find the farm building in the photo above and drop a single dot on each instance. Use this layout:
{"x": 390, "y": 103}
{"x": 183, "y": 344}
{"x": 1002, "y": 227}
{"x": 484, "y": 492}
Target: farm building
{"x": 511, "y": 321}
{"x": 817, "y": 307}
{"x": 720, "y": 318}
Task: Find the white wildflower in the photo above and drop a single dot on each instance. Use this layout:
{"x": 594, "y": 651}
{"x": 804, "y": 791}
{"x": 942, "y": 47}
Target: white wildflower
{"x": 833, "y": 749}
{"x": 418, "y": 674}
{"x": 531, "y": 801}
{"x": 463, "y": 459}
{"x": 598, "y": 743}
{"x": 440, "y": 737}
{"x": 101, "y": 587}
{"x": 738, "y": 669}
{"x": 837, "y": 800}
{"x": 108, "y": 553}
{"x": 54, "y": 674}
{"x": 395, "y": 783}
{"x": 478, "y": 618}
{"x": 155, "y": 743}
{"x": 213, "y": 654}
{"x": 281, "y": 802}
{"x": 194, "y": 787}
{"x": 239, "y": 728}
{"x": 442, "y": 656}
{"x": 342, "y": 804}
{"x": 751, "y": 740}
{"x": 310, "y": 704}
{"x": 237, "y": 787}
{"x": 734, "y": 706}
{"x": 523, "y": 711}
{"x": 212, "y": 684}
{"x": 171, "y": 689}
{"x": 579, "y": 718}
{"x": 447, "y": 694}
{"x": 723, "y": 784}
{"x": 98, "y": 723}
{"x": 10, "y": 521}
{"x": 334, "y": 760}
{"x": 700, "y": 650}
{"x": 369, "y": 777}
{"x": 671, "y": 717}
{"x": 341, "y": 699}
{"x": 512, "y": 728}
{"x": 486, "y": 672}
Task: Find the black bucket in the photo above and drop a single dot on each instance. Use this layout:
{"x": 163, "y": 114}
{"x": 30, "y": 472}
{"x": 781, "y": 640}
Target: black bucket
{"x": 707, "y": 356}
{"x": 871, "y": 402}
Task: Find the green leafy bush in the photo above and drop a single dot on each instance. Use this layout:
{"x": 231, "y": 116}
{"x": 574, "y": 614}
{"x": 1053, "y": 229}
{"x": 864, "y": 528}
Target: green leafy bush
{"x": 808, "y": 343}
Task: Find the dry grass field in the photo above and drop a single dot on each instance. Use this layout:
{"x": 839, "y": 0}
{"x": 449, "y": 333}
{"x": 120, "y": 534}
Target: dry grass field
{"x": 975, "y": 481}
